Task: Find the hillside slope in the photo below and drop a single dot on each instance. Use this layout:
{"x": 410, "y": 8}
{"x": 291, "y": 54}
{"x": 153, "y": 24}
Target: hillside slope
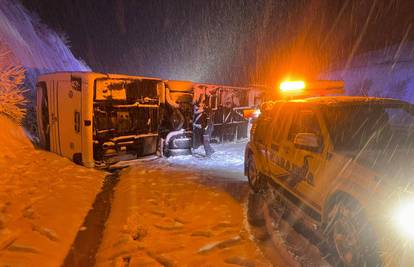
{"x": 34, "y": 46}
{"x": 44, "y": 199}
{"x": 386, "y": 73}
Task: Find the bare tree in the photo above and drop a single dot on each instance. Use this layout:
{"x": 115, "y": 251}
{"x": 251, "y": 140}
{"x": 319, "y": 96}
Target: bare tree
{"x": 12, "y": 76}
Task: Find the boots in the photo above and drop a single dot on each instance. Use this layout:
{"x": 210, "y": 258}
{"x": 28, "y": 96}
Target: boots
{"x": 207, "y": 147}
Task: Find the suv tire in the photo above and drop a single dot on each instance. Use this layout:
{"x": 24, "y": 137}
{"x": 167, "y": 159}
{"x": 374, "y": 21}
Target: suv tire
{"x": 253, "y": 175}
{"x": 350, "y": 237}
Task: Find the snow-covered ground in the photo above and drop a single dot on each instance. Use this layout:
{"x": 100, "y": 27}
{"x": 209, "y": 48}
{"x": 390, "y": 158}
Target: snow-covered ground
{"x": 182, "y": 211}
{"x": 44, "y": 199}
{"x": 227, "y": 162}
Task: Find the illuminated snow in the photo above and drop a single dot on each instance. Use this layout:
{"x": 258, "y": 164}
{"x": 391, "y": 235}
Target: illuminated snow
{"x": 44, "y": 199}
{"x": 226, "y": 162}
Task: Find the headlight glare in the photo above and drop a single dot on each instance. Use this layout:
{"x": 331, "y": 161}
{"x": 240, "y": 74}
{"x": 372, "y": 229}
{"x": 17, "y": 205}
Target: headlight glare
{"x": 404, "y": 218}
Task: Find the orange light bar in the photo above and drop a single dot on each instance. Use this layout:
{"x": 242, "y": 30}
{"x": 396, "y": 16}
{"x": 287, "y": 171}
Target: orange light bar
{"x": 292, "y": 86}
{"x": 309, "y": 89}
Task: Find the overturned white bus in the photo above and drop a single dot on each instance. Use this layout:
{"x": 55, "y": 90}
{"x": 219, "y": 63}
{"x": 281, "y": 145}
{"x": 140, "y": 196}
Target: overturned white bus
{"x": 96, "y": 118}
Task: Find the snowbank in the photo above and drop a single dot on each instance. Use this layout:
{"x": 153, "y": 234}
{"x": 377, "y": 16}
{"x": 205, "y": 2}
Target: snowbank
{"x": 30, "y": 45}
{"x": 33, "y": 44}
{"x": 43, "y": 201}
{"x": 386, "y": 73}
{"x": 168, "y": 215}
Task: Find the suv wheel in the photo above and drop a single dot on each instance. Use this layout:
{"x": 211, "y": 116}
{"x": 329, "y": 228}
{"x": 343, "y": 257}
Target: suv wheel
{"x": 253, "y": 175}
{"x": 255, "y": 214}
{"x": 350, "y": 237}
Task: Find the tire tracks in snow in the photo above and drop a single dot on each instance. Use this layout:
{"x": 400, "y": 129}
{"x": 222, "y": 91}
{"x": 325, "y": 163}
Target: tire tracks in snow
{"x": 89, "y": 236}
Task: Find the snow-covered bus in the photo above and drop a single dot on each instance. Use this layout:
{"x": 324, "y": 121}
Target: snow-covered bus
{"x": 97, "y": 118}
{"x": 224, "y": 103}
{"x": 227, "y": 104}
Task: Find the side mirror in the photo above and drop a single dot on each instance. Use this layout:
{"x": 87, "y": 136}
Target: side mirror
{"x": 307, "y": 141}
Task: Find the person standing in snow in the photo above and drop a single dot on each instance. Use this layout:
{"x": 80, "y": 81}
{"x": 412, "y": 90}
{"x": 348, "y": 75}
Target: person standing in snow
{"x": 203, "y": 118}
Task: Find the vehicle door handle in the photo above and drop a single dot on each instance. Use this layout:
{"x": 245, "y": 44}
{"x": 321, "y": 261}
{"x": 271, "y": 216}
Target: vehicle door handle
{"x": 274, "y": 147}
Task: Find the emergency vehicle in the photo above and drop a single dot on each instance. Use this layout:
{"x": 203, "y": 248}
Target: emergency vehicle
{"x": 343, "y": 166}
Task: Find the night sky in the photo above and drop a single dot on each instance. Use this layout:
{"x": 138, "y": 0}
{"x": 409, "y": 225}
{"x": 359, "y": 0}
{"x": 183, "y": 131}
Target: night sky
{"x": 224, "y": 41}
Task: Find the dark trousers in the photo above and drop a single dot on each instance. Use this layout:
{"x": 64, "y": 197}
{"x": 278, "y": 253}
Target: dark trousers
{"x": 206, "y": 140}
